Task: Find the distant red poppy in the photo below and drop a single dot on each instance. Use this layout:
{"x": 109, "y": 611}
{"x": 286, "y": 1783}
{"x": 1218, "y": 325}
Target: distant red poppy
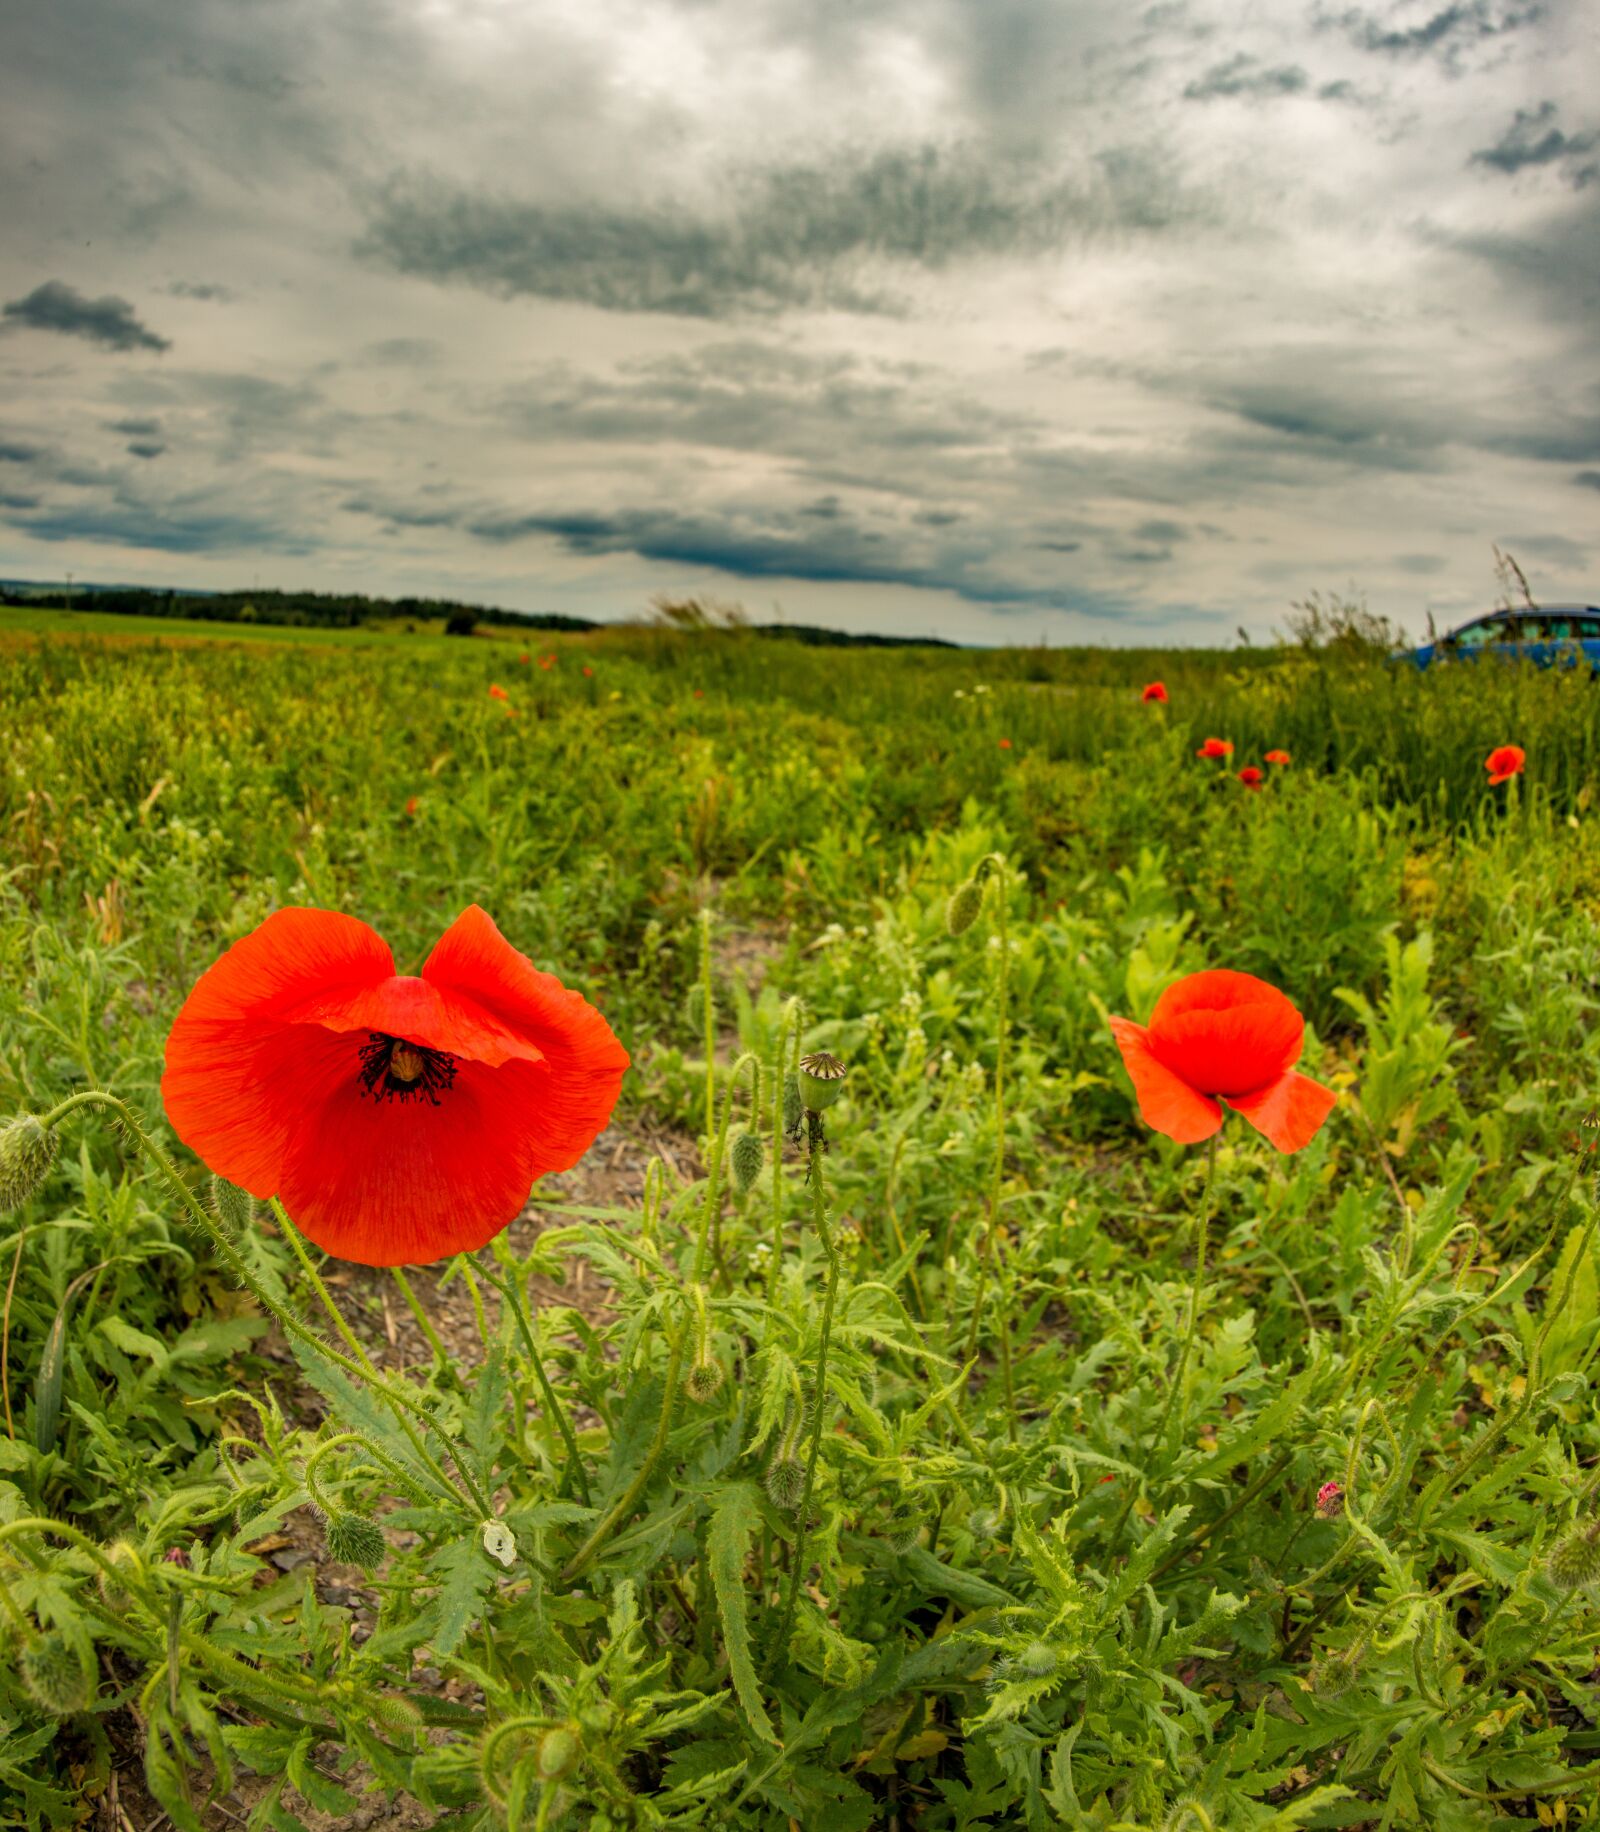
{"x": 547, "y": 662}
{"x": 523, "y": 658}
{"x": 399, "y": 1119}
{"x": 699, "y": 693}
{"x": 1276, "y": 757}
{"x": 1155, "y": 691}
{"x": 588, "y": 672}
{"x": 1223, "y": 1036}
{"x": 1005, "y": 744}
{"x": 1504, "y": 762}
{"x": 497, "y": 692}
{"x": 1251, "y": 777}
{"x": 412, "y": 804}
{"x": 1216, "y": 747}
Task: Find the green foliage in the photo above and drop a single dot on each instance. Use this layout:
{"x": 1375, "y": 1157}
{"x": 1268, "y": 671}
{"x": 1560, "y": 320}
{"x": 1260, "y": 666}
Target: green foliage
{"x": 1041, "y": 1574}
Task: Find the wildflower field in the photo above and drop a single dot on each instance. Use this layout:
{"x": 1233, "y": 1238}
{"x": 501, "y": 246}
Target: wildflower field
{"x": 971, "y": 1357}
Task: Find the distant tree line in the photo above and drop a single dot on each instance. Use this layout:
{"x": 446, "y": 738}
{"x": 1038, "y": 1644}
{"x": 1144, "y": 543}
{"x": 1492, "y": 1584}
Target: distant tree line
{"x": 309, "y": 610}
{"x": 347, "y": 611}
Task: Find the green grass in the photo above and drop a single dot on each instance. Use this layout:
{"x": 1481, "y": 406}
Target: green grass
{"x": 1049, "y": 1609}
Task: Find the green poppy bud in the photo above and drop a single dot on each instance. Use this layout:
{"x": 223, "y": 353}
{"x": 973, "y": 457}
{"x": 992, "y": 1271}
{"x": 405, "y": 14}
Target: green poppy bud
{"x": 233, "y": 1207}
{"x": 27, "y": 1150}
{"x": 748, "y": 1157}
{"x": 1037, "y": 1660}
{"x": 558, "y": 1751}
{"x": 704, "y": 1380}
{"x": 113, "y": 1592}
{"x": 904, "y": 1531}
{"x": 786, "y": 1482}
{"x": 56, "y": 1675}
{"x": 821, "y": 1080}
{"x": 353, "y": 1539}
{"x": 1575, "y": 1561}
{"x": 962, "y": 910}
{"x": 394, "y": 1711}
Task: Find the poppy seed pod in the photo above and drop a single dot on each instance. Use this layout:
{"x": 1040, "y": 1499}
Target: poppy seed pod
{"x": 748, "y": 1157}
{"x": 56, "y": 1675}
{"x": 233, "y": 1207}
{"x": 353, "y": 1539}
{"x": 962, "y": 910}
{"x": 27, "y": 1150}
{"x": 1576, "y": 1559}
{"x": 821, "y": 1080}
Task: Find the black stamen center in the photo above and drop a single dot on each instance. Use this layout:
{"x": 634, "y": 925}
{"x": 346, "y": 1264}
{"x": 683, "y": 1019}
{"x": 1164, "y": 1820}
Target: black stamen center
{"x": 393, "y": 1069}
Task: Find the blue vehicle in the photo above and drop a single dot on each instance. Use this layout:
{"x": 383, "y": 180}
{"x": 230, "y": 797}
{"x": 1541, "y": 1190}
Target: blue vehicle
{"x": 1554, "y": 636}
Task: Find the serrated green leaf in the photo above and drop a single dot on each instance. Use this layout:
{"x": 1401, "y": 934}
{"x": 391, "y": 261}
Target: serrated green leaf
{"x": 734, "y": 1517}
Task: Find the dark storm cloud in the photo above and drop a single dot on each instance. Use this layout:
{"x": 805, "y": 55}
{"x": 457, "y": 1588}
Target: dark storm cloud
{"x": 1588, "y": 480}
{"x": 180, "y": 526}
{"x": 793, "y": 236}
{"x": 1444, "y": 33}
{"x": 1533, "y": 139}
{"x": 144, "y": 449}
{"x": 200, "y": 289}
{"x": 1349, "y": 426}
{"x": 1243, "y": 75}
{"x": 13, "y": 452}
{"x": 136, "y": 429}
{"x": 110, "y": 321}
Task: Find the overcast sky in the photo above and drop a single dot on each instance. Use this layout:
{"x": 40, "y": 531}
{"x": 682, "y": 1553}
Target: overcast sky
{"x": 1003, "y": 319}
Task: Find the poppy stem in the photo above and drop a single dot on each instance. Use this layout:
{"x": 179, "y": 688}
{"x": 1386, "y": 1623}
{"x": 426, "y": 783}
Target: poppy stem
{"x": 992, "y": 867}
{"x": 819, "y": 1407}
{"x": 623, "y": 1507}
{"x": 470, "y": 1495}
{"x": 777, "y": 1148}
{"x": 1201, "y": 1230}
{"x": 510, "y": 1289}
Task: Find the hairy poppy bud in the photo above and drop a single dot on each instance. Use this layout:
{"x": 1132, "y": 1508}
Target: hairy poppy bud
{"x": 353, "y": 1539}
{"x": 1334, "y": 1674}
{"x": 234, "y": 1208}
{"x": 694, "y": 1008}
{"x": 56, "y": 1675}
{"x": 748, "y": 1156}
{"x": 1576, "y": 1559}
{"x": 904, "y": 1531}
{"x": 786, "y": 1482}
{"x": 27, "y": 1150}
{"x": 394, "y": 1711}
{"x": 704, "y": 1380}
{"x": 821, "y": 1080}
{"x": 1037, "y": 1660}
{"x": 113, "y": 1592}
{"x": 558, "y": 1750}
{"x": 962, "y": 910}
{"x": 793, "y": 1107}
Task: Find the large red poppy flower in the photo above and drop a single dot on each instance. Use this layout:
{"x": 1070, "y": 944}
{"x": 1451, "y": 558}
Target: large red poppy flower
{"x": 1216, "y": 747}
{"x": 1223, "y": 1036}
{"x": 1251, "y": 777}
{"x": 1504, "y": 762}
{"x": 1155, "y": 691}
{"x": 400, "y": 1119}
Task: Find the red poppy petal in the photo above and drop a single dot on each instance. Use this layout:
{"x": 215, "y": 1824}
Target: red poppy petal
{"x": 238, "y": 1095}
{"x": 1226, "y": 1033}
{"x": 475, "y": 960}
{"x": 234, "y": 1052}
{"x": 437, "y": 1017}
{"x": 1289, "y": 1111}
{"x": 404, "y": 1182}
{"x": 1167, "y": 1103}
